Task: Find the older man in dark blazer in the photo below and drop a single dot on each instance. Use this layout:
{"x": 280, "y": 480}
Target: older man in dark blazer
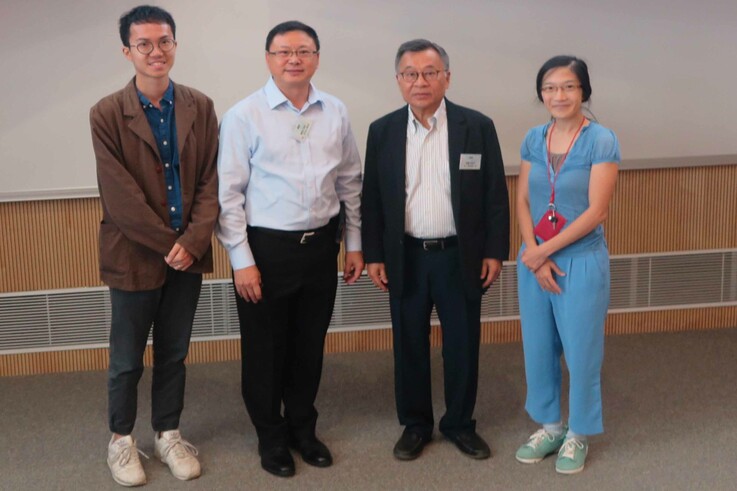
{"x": 435, "y": 232}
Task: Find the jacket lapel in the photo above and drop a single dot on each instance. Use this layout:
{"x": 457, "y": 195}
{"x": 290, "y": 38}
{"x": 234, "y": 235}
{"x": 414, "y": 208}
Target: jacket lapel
{"x": 137, "y": 121}
{"x": 397, "y": 135}
{"x": 457, "y": 132}
{"x": 185, "y": 113}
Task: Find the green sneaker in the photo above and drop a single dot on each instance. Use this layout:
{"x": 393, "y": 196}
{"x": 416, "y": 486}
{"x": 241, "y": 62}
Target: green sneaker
{"x": 540, "y": 445}
{"x": 571, "y": 456}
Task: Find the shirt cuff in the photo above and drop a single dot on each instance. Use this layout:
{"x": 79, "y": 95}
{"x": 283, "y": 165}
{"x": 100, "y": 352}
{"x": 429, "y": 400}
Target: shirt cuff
{"x": 241, "y": 257}
{"x": 353, "y": 240}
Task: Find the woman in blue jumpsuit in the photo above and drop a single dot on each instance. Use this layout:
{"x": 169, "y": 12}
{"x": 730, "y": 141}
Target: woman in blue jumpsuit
{"x": 566, "y": 180}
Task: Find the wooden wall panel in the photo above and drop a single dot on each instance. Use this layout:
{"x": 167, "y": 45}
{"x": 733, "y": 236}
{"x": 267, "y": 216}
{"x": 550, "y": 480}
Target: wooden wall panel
{"x": 673, "y": 210}
{"x": 53, "y": 244}
{"x": 373, "y": 340}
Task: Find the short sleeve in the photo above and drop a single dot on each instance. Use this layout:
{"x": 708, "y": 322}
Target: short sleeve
{"x": 527, "y": 145}
{"x": 606, "y": 148}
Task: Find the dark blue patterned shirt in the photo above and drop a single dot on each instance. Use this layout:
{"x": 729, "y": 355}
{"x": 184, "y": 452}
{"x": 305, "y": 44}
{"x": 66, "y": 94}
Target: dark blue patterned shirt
{"x": 164, "y": 127}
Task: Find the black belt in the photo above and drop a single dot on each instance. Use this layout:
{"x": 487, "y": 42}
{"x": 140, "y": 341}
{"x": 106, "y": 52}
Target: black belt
{"x": 431, "y": 244}
{"x": 300, "y": 236}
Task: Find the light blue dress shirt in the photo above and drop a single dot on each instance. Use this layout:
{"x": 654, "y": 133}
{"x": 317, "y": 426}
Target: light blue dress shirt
{"x": 271, "y": 177}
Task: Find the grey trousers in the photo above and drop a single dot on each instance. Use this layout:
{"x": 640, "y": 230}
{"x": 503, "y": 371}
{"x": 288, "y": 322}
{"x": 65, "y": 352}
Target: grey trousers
{"x": 170, "y": 310}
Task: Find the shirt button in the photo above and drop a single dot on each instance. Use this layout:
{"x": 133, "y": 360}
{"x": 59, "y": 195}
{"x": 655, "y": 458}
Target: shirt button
{"x": 169, "y": 188}
{"x": 166, "y": 165}
{"x": 162, "y": 120}
{"x": 173, "y": 209}
{"x": 165, "y": 142}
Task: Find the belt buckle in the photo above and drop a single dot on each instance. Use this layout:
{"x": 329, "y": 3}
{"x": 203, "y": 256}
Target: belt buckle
{"x": 430, "y": 245}
{"x": 306, "y": 237}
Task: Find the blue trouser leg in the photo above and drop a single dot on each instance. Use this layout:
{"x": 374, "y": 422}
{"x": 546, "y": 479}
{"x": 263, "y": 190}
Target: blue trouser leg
{"x": 573, "y": 321}
{"x": 581, "y": 313}
{"x": 542, "y": 349}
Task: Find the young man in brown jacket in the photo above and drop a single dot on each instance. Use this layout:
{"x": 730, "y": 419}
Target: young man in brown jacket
{"x": 155, "y": 144}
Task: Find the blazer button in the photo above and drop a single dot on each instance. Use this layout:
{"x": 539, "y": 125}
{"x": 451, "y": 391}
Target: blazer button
{"x": 158, "y": 169}
{"x": 163, "y": 203}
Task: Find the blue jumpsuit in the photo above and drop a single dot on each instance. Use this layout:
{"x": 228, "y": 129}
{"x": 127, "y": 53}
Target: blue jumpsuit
{"x": 573, "y": 321}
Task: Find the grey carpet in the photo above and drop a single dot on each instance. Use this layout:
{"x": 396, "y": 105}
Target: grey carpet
{"x": 670, "y": 402}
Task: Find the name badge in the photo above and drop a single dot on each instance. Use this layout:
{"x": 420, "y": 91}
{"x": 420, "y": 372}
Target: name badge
{"x": 470, "y": 161}
{"x": 301, "y": 129}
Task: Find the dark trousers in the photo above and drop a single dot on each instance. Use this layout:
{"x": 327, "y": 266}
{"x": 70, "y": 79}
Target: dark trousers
{"x": 283, "y": 335}
{"x": 434, "y": 278}
{"x": 170, "y": 309}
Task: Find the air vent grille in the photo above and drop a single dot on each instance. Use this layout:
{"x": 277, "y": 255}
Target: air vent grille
{"x": 79, "y": 318}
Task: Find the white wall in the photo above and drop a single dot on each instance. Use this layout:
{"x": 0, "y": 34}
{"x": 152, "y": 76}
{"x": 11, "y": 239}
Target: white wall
{"x": 663, "y": 71}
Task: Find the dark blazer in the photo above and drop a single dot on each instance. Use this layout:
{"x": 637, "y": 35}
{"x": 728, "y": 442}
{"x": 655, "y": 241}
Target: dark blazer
{"x": 479, "y": 197}
{"x": 135, "y": 235}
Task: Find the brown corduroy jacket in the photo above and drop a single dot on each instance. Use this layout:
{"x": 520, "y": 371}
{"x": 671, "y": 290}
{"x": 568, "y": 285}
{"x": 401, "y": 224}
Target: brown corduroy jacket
{"x": 135, "y": 235}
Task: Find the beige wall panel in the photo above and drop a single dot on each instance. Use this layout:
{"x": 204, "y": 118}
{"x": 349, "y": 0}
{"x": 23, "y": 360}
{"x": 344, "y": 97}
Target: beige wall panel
{"x": 53, "y": 244}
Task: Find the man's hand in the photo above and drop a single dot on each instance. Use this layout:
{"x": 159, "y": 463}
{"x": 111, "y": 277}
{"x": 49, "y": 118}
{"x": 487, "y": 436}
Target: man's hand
{"x": 490, "y": 271}
{"x": 377, "y": 273}
{"x": 178, "y": 258}
{"x": 353, "y": 266}
{"x": 248, "y": 283}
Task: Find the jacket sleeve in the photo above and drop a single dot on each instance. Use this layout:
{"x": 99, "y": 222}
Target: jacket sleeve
{"x": 372, "y": 215}
{"x": 197, "y": 236}
{"x": 121, "y": 195}
{"x": 496, "y": 199}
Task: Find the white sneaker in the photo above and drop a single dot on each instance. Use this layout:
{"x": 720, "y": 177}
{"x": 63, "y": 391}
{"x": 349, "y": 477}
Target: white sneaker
{"x": 122, "y": 458}
{"x": 178, "y": 454}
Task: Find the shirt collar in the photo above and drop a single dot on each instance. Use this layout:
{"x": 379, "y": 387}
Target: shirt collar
{"x": 167, "y": 97}
{"x": 275, "y": 97}
{"x": 436, "y": 120}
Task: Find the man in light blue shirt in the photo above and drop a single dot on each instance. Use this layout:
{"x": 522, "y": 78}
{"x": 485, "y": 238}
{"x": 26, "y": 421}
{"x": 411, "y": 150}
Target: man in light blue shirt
{"x": 288, "y": 164}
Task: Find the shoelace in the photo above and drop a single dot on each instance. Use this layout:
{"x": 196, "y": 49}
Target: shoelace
{"x": 537, "y": 438}
{"x": 126, "y": 455}
{"x": 568, "y": 450}
{"x": 180, "y": 447}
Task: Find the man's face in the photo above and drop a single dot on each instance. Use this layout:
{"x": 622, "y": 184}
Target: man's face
{"x": 157, "y": 63}
{"x": 422, "y": 95}
{"x": 292, "y": 71}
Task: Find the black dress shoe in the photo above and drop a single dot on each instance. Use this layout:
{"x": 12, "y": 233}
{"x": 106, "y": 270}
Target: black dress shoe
{"x": 314, "y": 452}
{"x": 471, "y": 444}
{"x": 410, "y": 445}
{"x": 277, "y": 461}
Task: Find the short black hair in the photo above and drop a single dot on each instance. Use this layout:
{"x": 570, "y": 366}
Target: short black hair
{"x": 576, "y": 65}
{"x": 417, "y": 45}
{"x": 289, "y": 26}
{"x": 144, "y": 14}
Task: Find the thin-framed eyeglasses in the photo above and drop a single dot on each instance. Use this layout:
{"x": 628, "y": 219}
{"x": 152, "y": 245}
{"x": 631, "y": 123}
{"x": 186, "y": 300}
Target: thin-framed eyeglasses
{"x": 285, "y": 54}
{"x": 146, "y": 47}
{"x": 429, "y": 75}
{"x": 553, "y": 89}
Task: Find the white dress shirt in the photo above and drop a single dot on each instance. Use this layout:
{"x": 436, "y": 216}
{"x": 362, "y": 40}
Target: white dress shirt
{"x": 272, "y": 177}
{"x": 428, "y": 212}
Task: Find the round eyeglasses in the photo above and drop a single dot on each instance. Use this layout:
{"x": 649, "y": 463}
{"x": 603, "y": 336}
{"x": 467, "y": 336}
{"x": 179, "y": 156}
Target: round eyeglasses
{"x": 146, "y": 47}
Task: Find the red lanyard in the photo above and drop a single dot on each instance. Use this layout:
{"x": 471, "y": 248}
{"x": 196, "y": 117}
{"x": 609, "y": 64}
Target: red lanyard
{"x": 550, "y": 163}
